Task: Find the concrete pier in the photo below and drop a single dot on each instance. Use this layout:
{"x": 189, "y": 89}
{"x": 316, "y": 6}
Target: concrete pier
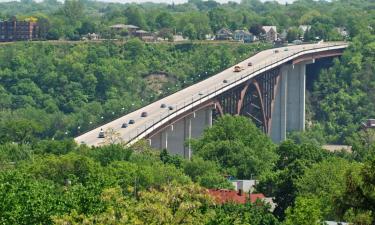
{"x": 174, "y": 137}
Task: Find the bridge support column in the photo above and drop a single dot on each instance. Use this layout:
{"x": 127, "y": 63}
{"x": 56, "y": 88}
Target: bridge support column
{"x": 289, "y": 107}
{"x": 187, "y": 136}
{"x": 296, "y": 98}
{"x": 278, "y": 126}
{"x": 174, "y": 137}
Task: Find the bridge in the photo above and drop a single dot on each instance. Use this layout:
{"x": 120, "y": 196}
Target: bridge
{"x": 269, "y": 88}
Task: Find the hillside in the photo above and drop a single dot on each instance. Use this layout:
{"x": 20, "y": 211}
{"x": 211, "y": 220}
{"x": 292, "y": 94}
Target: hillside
{"x": 56, "y": 91}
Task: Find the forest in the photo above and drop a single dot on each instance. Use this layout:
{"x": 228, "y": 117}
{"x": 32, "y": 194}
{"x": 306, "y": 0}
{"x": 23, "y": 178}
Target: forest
{"x": 53, "y": 91}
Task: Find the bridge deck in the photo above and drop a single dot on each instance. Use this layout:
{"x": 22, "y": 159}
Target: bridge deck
{"x": 189, "y": 97}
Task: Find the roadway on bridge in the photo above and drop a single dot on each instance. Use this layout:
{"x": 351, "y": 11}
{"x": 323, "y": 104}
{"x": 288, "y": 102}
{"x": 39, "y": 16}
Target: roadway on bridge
{"x": 181, "y": 98}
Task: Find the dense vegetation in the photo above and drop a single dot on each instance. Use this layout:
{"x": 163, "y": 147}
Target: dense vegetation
{"x": 58, "y": 91}
{"x": 52, "y": 90}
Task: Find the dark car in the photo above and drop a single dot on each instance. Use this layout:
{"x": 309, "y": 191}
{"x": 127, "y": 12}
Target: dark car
{"x": 170, "y": 107}
{"x": 131, "y": 121}
{"x": 101, "y": 134}
{"x": 124, "y": 125}
{"x": 250, "y": 64}
{"x": 144, "y": 114}
{"x": 276, "y": 51}
{"x": 163, "y": 106}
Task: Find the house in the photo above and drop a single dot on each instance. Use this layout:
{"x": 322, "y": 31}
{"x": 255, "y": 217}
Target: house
{"x": 93, "y": 36}
{"x": 337, "y": 148}
{"x": 270, "y": 33}
{"x": 14, "y": 30}
{"x": 224, "y": 34}
{"x": 120, "y": 27}
{"x": 304, "y": 28}
{"x": 342, "y": 31}
{"x": 247, "y": 186}
{"x": 243, "y": 35}
{"x": 222, "y": 196}
{"x": 335, "y": 223}
{"x": 370, "y": 123}
{"x": 145, "y": 36}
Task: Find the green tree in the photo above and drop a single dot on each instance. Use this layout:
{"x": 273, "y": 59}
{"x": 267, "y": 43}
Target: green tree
{"x": 136, "y": 16}
{"x": 238, "y": 146}
{"x": 305, "y": 212}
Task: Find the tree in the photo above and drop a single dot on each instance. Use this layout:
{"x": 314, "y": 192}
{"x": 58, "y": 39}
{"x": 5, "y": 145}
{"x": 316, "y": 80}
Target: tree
{"x": 257, "y": 29}
{"x": 281, "y": 182}
{"x": 356, "y": 204}
{"x": 325, "y": 181}
{"x": 305, "y": 212}
{"x": 206, "y": 173}
{"x": 135, "y": 17}
{"x": 293, "y": 34}
{"x": 21, "y": 131}
{"x": 73, "y": 11}
{"x": 238, "y": 146}
{"x": 165, "y": 20}
{"x": 218, "y": 19}
{"x": 232, "y": 213}
{"x": 171, "y": 204}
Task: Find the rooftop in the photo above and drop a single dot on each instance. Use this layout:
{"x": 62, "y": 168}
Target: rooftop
{"x": 222, "y": 196}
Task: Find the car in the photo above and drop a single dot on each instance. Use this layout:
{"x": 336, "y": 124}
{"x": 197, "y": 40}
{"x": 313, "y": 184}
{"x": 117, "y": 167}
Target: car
{"x": 286, "y": 49}
{"x": 200, "y": 93}
{"x": 237, "y": 69}
{"x": 101, "y": 133}
{"x": 276, "y": 51}
{"x": 250, "y": 64}
{"x": 163, "y": 106}
{"x": 170, "y": 107}
{"x": 144, "y": 114}
{"x": 225, "y": 81}
{"x": 124, "y": 125}
{"x": 297, "y": 42}
{"x": 131, "y": 121}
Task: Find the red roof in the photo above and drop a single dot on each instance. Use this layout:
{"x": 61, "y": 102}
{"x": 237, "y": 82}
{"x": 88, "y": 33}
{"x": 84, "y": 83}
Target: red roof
{"x": 223, "y": 196}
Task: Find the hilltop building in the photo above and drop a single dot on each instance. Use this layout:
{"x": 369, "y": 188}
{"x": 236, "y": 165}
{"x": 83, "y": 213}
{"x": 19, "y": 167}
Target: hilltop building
{"x": 224, "y": 34}
{"x": 125, "y": 27}
{"x": 270, "y": 33}
{"x": 243, "y": 35}
{"x": 13, "y": 30}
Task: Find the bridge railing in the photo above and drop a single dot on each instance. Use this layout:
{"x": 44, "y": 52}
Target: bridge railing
{"x": 196, "y": 99}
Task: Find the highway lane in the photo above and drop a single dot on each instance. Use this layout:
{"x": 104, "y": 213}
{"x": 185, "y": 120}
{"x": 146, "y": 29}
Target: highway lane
{"x": 194, "y": 92}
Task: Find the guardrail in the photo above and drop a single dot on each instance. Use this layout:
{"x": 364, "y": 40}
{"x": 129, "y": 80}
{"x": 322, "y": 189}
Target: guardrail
{"x": 197, "y": 99}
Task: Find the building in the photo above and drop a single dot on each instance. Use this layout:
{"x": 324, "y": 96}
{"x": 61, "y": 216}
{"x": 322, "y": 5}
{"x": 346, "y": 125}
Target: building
{"x": 370, "y": 123}
{"x": 247, "y": 186}
{"x": 304, "y": 28}
{"x": 121, "y": 27}
{"x": 243, "y": 35}
{"x": 342, "y": 31}
{"x": 270, "y": 34}
{"x": 338, "y": 148}
{"x": 222, "y": 196}
{"x": 13, "y": 30}
{"x": 145, "y": 36}
{"x": 224, "y": 34}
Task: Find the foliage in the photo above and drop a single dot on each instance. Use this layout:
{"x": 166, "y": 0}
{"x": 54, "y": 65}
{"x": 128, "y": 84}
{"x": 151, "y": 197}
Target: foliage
{"x": 58, "y": 91}
{"x": 293, "y": 160}
{"x": 237, "y": 145}
{"x": 230, "y": 213}
{"x": 307, "y": 211}
{"x": 356, "y": 203}
{"x": 325, "y": 181}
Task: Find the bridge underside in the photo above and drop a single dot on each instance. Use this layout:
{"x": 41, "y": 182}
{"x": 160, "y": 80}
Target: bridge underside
{"x": 273, "y": 100}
